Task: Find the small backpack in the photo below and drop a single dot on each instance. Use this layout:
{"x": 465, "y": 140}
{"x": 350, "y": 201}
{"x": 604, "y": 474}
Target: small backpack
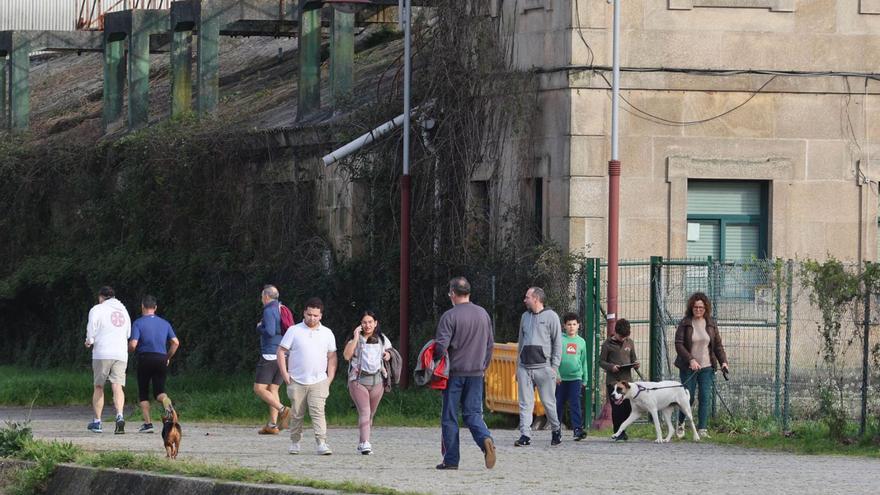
{"x": 287, "y": 320}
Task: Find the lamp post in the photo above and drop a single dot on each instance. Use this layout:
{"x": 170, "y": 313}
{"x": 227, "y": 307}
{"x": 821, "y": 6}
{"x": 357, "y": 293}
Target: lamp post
{"x": 405, "y": 191}
{"x": 604, "y": 419}
{"x": 614, "y": 178}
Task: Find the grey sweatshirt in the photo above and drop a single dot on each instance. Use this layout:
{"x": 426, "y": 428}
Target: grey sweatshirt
{"x": 540, "y": 340}
{"x": 465, "y": 332}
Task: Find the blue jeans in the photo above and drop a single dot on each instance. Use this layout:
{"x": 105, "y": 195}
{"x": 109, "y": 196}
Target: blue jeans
{"x": 465, "y": 393}
{"x": 570, "y": 391}
{"x": 706, "y": 380}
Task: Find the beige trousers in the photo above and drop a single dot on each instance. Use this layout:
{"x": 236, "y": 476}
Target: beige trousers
{"x": 315, "y": 397}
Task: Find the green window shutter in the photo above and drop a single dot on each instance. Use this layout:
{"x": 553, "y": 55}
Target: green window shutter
{"x": 724, "y": 198}
{"x": 709, "y": 242}
{"x": 741, "y": 242}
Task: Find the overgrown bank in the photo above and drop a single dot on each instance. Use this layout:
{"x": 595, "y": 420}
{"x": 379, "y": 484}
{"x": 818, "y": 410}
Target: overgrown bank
{"x": 202, "y": 215}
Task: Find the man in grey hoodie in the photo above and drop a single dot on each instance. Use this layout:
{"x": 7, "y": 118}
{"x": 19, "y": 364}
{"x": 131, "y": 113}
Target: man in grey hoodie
{"x": 539, "y": 352}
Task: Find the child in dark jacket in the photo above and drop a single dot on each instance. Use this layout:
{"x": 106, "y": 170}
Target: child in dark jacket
{"x": 617, "y": 351}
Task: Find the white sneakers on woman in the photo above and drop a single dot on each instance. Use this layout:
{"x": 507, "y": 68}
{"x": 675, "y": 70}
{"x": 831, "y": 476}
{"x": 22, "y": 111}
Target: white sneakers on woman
{"x": 365, "y": 448}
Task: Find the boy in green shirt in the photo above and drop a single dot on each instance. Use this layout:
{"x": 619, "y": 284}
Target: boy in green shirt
{"x": 572, "y": 375}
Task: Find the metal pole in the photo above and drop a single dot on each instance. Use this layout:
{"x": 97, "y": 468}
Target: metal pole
{"x": 614, "y": 178}
{"x": 865, "y": 351}
{"x": 656, "y": 370}
{"x": 779, "y": 280}
{"x": 786, "y": 401}
{"x": 405, "y": 189}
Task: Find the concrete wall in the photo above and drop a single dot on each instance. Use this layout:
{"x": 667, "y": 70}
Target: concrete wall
{"x": 811, "y": 136}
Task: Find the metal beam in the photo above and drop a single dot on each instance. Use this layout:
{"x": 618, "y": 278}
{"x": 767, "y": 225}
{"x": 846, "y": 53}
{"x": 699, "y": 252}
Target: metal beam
{"x": 181, "y": 73}
{"x": 137, "y": 27}
{"x": 19, "y": 84}
{"x": 341, "y": 55}
{"x": 114, "y": 81}
{"x": 309, "y": 87}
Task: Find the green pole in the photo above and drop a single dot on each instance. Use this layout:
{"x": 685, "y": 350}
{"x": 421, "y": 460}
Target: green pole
{"x": 208, "y": 63}
{"x": 597, "y": 335}
{"x": 19, "y": 90}
{"x": 181, "y": 73}
{"x": 786, "y": 411}
{"x": 114, "y": 80}
{"x": 656, "y": 371}
{"x": 776, "y": 392}
{"x": 138, "y": 79}
{"x": 4, "y": 115}
{"x": 341, "y": 55}
{"x": 713, "y": 288}
{"x": 866, "y": 350}
{"x": 309, "y": 99}
{"x": 589, "y": 334}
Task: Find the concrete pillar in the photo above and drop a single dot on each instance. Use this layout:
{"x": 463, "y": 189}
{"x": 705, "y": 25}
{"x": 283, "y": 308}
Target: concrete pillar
{"x": 114, "y": 80}
{"x": 309, "y": 100}
{"x": 208, "y": 62}
{"x": 138, "y": 79}
{"x": 341, "y": 55}
{"x": 19, "y": 90}
{"x": 181, "y": 73}
{"x": 4, "y": 116}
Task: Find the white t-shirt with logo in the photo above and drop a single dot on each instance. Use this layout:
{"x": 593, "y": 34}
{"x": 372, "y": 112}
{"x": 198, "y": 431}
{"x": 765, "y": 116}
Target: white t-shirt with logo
{"x": 307, "y": 362}
{"x": 108, "y": 330}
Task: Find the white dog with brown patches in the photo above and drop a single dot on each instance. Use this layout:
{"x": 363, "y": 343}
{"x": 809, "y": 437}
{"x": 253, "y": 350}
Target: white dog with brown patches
{"x": 654, "y": 397}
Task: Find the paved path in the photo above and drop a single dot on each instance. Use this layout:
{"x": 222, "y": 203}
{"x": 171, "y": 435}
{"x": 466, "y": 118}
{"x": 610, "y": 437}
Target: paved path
{"x": 405, "y": 457}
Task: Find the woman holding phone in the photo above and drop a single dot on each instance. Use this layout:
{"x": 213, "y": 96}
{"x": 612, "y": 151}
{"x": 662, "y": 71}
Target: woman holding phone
{"x": 365, "y": 353}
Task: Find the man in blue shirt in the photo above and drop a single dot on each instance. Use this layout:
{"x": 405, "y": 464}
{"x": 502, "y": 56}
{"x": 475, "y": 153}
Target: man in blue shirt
{"x": 150, "y": 335}
{"x": 268, "y": 376}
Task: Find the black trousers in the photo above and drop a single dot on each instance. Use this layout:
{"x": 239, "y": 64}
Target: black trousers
{"x": 152, "y": 367}
{"x": 619, "y": 413}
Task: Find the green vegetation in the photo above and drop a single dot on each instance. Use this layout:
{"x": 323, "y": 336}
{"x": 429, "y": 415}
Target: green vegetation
{"x": 805, "y": 437}
{"x": 207, "y": 397}
{"x": 46, "y": 455}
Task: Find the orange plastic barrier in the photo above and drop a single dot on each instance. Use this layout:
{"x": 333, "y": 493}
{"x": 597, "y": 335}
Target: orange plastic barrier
{"x": 501, "y": 390}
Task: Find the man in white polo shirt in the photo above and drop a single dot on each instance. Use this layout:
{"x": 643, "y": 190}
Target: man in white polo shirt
{"x": 308, "y": 373}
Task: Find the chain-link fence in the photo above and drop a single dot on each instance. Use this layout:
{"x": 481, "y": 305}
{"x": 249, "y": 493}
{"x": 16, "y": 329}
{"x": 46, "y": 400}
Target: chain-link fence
{"x": 771, "y": 330}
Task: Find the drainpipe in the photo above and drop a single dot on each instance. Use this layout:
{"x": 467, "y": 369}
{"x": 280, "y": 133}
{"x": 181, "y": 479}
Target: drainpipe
{"x": 362, "y": 141}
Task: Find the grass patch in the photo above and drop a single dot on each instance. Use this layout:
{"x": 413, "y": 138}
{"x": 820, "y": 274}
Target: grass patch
{"x": 202, "y": 396}
{"x": 47, "y": 455}
{"x": 805, "y": 437}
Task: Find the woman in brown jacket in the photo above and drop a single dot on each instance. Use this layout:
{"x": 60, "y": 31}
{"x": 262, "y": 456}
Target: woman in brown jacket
{"x": 699, "y": 351}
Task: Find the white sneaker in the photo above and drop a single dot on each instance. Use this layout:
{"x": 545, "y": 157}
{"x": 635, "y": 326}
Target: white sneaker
{"x": 324, "y": 449}
{"x": 293, "y": 449}
{"x": 365, "y": 448}
{"x": 679, "y": 431}
{"x": 704, "y": 433}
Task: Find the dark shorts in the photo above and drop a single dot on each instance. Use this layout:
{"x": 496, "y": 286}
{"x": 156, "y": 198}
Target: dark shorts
{"x": 268, "y": 373}
{"x": 152, "y": 367}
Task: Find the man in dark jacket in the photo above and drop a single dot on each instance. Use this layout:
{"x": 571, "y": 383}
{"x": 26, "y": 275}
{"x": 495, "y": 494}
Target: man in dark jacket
{"x": 465, "y": 333}
{"x": 268, "y": 377}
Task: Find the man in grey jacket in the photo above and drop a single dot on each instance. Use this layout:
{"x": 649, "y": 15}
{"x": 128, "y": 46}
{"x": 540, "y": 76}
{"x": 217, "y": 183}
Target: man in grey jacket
{"x": 539, "y": 352}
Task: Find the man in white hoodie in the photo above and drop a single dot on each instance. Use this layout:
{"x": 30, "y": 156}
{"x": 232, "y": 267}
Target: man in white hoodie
{"x": 107, "y": 334}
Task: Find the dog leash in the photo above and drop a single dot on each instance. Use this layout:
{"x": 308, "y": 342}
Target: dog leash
{"x": 646, "y": 389}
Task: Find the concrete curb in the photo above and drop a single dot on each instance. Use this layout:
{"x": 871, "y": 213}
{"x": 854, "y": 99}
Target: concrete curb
{"x": 70, "y": 479}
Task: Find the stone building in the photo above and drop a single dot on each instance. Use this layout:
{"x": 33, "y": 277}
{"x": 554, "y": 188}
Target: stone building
{"x": 747, "y": 127}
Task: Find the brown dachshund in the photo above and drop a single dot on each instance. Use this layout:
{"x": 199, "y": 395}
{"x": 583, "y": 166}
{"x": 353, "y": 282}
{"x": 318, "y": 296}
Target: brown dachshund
{"x": 171, "y": 433}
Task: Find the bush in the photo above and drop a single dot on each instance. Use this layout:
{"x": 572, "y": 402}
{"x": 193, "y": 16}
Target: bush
{"x": 13, "y": 437}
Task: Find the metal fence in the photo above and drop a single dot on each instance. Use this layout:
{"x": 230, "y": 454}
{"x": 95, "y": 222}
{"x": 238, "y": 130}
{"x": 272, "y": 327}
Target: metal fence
{"x": 768, "y": 325}
{"x": 37, "y": 14}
